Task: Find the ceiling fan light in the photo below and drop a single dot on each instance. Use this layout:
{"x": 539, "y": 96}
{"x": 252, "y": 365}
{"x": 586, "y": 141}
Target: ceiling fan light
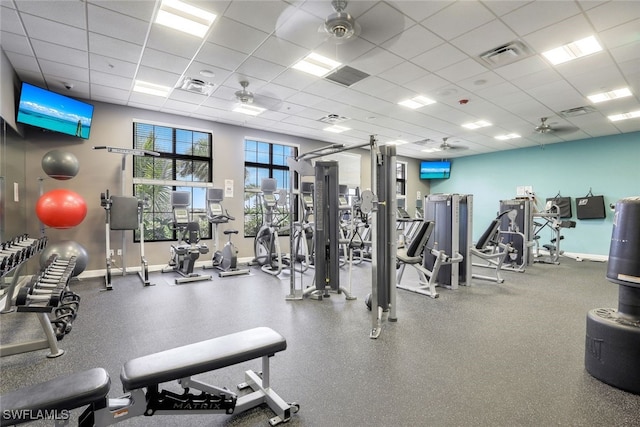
{"x": 340, "y": 25}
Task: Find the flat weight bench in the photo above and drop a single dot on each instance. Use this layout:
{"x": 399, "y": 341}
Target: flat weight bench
{"x": 142, "y": 377}
{"x": 55, "y": 398}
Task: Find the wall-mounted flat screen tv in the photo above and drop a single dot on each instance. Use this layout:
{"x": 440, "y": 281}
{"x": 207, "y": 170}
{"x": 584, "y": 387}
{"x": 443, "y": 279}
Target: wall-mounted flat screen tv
{"x": 435, "y": 170}
{"x": 51, "y": 111}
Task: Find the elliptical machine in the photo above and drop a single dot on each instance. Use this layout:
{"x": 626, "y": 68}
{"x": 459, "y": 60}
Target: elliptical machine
{"x": 185, "y": 254}
{"x": 225, "y": 260}
{"x": 267, "y": 244}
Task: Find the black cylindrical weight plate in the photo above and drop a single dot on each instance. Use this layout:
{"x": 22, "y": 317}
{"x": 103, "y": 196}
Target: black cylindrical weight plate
{"x": 612, "y": 349}
{"x": 624, "y": 252}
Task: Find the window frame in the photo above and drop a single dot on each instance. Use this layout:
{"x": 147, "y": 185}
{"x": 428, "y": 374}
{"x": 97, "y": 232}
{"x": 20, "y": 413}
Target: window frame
{"x": 154, "y": 212}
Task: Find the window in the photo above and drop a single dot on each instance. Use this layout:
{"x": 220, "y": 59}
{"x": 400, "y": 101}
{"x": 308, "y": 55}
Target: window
{"x": 264, "y": 160}
{"x": 184, "y": 164}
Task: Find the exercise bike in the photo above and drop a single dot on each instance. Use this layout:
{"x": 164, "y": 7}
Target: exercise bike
{"x": 225, "y": 260}
{"x": 185, "y": 254}
{"x": 267, "y": 243}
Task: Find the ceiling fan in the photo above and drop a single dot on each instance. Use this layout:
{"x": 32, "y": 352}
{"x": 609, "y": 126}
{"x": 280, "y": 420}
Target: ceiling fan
{"x": 248, "y": 98}
{"x": 444, "y": 146}
{"x": 340, "y": 25}
{"x": 546, "y": 128}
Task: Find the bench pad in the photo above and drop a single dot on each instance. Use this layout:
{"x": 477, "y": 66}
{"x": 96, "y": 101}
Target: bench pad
{"x": 204, "y": 356}
{"x": 68, "y": 392}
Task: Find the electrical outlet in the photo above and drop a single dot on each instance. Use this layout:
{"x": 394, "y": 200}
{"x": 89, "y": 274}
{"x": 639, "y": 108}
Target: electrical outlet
{"x": 111, "y": 252}
{"x": 119, "y": 252}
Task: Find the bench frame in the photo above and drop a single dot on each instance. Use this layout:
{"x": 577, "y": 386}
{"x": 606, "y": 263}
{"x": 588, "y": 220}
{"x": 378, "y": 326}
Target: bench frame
{"x": 143, "y": 378}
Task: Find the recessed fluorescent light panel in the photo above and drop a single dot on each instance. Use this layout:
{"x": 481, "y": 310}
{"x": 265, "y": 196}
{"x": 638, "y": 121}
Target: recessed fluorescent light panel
{"x": 573, "y": 50}
{"x": 151, "y": 88}
{"x": 397, "y": 142}
{"x": 336, "y": 129}
{"x": 250, "y": 110}
{"x": 431, "y": 150}
{"x": 184, "y": 17}
{"x": 317, "y": 65}
{"x": 416, "y": 102}
{"x": 476, "y": 125}
{"x": 507, "y": 136}
{"x": 607, "y": 96}
{"x": 624, "y": 116}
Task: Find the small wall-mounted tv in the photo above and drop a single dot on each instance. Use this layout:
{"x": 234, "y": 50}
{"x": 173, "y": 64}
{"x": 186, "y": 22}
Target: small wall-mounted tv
{"x": 435, "y": 170}
{"x": 51, "y": 111}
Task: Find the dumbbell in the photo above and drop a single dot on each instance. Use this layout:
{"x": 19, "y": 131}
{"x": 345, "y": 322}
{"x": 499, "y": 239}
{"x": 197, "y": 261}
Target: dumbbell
{"x": 27, "y": 296}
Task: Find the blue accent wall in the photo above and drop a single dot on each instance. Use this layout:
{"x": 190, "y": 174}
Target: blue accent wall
{"x": 608, "y": 165}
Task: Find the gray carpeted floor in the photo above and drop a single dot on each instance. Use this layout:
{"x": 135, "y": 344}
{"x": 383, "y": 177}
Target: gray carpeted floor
{"x": 487, "y": 355}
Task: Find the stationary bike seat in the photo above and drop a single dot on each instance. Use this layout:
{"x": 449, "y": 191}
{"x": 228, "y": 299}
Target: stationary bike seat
{"x": 225, "y": 232}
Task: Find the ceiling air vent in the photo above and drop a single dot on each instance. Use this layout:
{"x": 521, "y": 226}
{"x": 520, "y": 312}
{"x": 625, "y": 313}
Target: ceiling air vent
{"x": 333, "y": 119}
{"x": 346, "y": 76}
{"x": 578, "y": 111}
{"x": 505, "y": 54}
{"x": 197, "y": 86}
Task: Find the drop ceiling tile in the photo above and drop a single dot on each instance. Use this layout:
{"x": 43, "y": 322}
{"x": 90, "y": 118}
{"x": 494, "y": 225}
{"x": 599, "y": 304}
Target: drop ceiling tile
{"x": 403, "y": 73}
{"x": 62, "y": 54}
{"x": 621, "y": 35}
{"x": 163, "y": 61}
{"x": 457, "y": 19}
{"x": 376, "y": 61}
{"x": 144, "y": 101}
{"x": 108, "y": 92}
{"x": 614, "y": 13}
{"x": 462, "y": 70}
{"x": 225, "y": 33}
{"x": 172, "y": 106}
{"x": 110, "y": 80}
{"x": 63, "y": 71}
{"x": 9, "y": 20}
{"x": 482, "y": 82}
{"x": 546, "y": 13}
{"x": 412, "y": 42}
{"x": 488, "y": 36}
{"x": 138, "y": 9}
{"x": 262, "y": 15}
{"x": 67, "y": 12}
{"x": 295, "y": 79}
{"x": 280, "y": 51}
{"x": 428, "y": 84}
{"x": 112, "y": 66}
{"x": 300, "y": 27}
{"x": 172, "y": 41}
{"x": 220, "y": 56}
{"x": 347, "y": 52}
{"x": 567, "y": 31}
{"x": 439, "y": 57}
{"x": 377, "y": 87}
{"x": 220, "y": 75}
{"x": 419, "y": 10}
{"x": 258, "y": 68}
{"x": 325, "y": 88}
{"x": 159, "y": 77}
{"x": 116, "y": 25}
{"x": 500, "y": 7}
{"x": 382, "y": 22}
{"x": 22, "y": 63}
{"x": 530, "y": 65}
{"x": 54, "y": 32}
{"x": 536, "y": 79}
{"x": 114, "y": 48}
{"x": 15, "y": 43}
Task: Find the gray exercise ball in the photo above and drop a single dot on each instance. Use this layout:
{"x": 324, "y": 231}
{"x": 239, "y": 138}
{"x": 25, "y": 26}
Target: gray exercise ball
{"x": 66, "y": 249}
{"x": 60, "y": 165}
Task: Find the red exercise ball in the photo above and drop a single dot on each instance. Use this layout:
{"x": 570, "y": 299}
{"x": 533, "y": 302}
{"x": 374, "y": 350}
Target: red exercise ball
{"x": 61, "y": 208}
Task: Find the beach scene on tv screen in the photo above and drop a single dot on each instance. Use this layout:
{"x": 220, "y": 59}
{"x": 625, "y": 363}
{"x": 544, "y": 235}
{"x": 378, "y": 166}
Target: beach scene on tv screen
{"x": 49, "y": 110}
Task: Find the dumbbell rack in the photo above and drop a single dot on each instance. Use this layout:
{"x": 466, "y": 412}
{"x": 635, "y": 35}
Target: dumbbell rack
{"x": 43, "y": 293}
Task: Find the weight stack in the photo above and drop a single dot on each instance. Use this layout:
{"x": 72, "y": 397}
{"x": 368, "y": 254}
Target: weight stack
{"x": 612, "y": 349}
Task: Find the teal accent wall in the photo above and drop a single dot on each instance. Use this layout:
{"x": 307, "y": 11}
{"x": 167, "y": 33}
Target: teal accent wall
{"x": 608, "y": 165}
